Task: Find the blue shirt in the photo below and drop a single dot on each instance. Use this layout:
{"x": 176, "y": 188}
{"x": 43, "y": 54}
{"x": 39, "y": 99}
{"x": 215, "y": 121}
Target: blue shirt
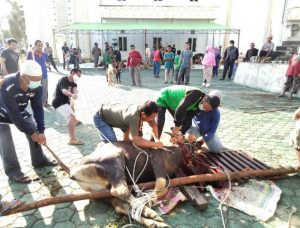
{"x": 169, "y": 64}
{"x": 13, "y": 104}
{"x": 40, "y": 60}
{"x": 207, "y": 123}
{"x": 186, "y": 56}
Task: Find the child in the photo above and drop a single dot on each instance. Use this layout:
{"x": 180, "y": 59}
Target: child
{"x": 169, "y": 61}
{"x": 177, "y": 65}
{"x": 208, "y": 62}
{"x": 67, "y": 60}
{"x": 295, "y": 135}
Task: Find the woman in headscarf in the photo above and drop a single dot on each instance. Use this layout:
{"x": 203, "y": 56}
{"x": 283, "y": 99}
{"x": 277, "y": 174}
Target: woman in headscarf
{"x": 292, "y": 83}
{"x": 208, "y": 62}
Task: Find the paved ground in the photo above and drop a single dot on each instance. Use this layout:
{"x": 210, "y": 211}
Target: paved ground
{"x": 264, "y": 136}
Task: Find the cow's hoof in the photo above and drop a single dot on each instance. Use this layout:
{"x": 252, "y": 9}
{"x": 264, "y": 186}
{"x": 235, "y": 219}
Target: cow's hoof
{"x": 153, "y": 224}
{"x": 151, "y": 214}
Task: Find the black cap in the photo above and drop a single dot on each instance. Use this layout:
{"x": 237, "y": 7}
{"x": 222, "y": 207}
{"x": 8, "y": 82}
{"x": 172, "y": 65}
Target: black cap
{"x": 214, "y": 101}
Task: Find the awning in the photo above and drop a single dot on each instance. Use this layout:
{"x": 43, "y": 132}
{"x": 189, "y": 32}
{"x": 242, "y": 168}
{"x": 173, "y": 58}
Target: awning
{"x": 153, "y": 26}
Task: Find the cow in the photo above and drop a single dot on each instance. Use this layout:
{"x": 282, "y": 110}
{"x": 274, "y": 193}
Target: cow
{"x": 105, "y": 168}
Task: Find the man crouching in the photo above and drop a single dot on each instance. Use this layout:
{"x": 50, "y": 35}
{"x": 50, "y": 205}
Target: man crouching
{"x": 129, "y": 118}
{"x": 295, "y": 135}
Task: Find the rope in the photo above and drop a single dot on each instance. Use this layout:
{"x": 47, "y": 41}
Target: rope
{"x": 210, "y": 188}
{"x": 137, "y": 204}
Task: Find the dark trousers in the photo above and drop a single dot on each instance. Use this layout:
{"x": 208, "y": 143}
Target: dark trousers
{"x": 186, "y": 123}
{"x": 51, "y": 61}
{"x": 9, "y": 156}
{"x": 228, "y": 64}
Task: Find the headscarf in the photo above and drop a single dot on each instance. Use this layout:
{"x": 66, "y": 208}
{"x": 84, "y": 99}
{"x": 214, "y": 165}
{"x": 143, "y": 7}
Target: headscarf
{"x": 209, "y": 58}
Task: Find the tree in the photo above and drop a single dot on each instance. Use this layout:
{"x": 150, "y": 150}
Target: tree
{"x": 16, "y": 22}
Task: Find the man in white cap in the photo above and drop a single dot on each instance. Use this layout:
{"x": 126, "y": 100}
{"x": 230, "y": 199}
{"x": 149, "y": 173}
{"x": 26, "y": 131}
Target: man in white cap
{"x": 206, "y": 122}
{"x": 15, "y": 93}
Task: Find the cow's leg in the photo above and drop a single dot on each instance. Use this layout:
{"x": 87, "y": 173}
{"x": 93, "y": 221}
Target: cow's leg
{"x": 120, "y": 190}
{"x": 159, "y": 172}
{"x": 149, "y": 217}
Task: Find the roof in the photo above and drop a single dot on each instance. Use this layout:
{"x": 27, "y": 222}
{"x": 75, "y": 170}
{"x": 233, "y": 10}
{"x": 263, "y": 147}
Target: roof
{"x": 150, "y": 25}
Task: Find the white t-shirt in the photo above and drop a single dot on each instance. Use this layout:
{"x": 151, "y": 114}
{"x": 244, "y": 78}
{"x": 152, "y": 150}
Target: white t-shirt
{"x": 148, "y": 52}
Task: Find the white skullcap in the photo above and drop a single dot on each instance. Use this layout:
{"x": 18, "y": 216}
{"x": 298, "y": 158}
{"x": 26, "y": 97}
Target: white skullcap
{"x": 216, "y": 93}
{"x": 31, "y": 68}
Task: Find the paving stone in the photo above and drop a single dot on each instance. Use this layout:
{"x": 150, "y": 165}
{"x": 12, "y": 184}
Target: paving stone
{"x": 264, "y": 136}
{"x": 64, "y": 225}
{"x": 64, "y": 214}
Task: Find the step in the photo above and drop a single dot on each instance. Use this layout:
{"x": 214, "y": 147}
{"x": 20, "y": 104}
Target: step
{"x": 291, "y": 43}
{"x": 286, "y": 48}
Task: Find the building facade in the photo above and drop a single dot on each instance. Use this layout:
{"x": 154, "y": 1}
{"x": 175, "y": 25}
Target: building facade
{"x": 256, "y": 19}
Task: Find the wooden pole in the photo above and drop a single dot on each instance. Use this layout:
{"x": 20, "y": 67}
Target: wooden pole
{"x": 148, "y": 185}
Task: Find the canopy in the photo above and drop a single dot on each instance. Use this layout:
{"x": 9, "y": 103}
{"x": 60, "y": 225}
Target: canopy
{"x": 197, "y": 27}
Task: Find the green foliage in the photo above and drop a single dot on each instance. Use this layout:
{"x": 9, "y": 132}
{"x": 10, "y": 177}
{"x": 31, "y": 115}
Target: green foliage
{"x": 16, "y": 22}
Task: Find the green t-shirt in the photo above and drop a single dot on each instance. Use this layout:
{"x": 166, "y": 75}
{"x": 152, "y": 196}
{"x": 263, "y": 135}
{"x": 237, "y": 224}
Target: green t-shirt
{"x": 176, "y": 60}
{"x": 170, "y": 97}
{"x": 122, "y": 116}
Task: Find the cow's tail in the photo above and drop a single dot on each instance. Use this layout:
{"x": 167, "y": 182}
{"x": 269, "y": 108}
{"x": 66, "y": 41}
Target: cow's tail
{"x": 62, "y": 165}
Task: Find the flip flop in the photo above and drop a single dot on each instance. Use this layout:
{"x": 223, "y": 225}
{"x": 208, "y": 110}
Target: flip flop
{"x": 76, "y": 142}
{"x": 21, "y": 179}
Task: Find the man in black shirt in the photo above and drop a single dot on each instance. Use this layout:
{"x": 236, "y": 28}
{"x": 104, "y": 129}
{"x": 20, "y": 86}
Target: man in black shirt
{"x": 231, "y": 54}
{"x": 251, "y": 52}
{"x": 9, "y": 58}
{"x": 66, "y": 91}
{"x": 65, "y": 50}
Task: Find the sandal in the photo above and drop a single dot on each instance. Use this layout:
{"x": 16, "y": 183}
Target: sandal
{"x": 21, "y": 179}
{"x": 76, "y": 142}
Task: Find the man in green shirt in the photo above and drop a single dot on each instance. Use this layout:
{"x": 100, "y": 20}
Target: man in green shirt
{"x": 129, "y": 118}
{"x": 183, "y": 102}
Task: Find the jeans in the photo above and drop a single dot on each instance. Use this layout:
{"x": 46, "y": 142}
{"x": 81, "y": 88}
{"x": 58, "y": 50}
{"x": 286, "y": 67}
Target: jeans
{"x": 184, "y": 73}
{"x": 106, "y": 131}
{"x": 45, "y": 90}
{"x": 214, "y": 144}
{"x": 96, "y": 59}
{"x": 135, "y": 75}
{"x": 228, "y": 64}
{"x": 9, "y": 156}
{"x": 156, "y": 68}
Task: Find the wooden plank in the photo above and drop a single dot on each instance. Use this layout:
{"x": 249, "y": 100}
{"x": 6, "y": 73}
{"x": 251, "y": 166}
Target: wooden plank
{"x": 193, "y": 194}
{"x": 197, "y": 198}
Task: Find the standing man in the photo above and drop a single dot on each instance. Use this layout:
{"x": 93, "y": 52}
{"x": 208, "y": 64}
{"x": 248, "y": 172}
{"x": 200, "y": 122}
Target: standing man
{"x": 49, "y": 51}
{"x": 65, "y": 49}
{"x": 169, "y": 65}
{"x": 9, "y": 58}
{"x": 133, "y": 63}
{"x": 96, "y": 52}
{"x": 174, "y": 49}
{"x": 186, "y": 62}
{"x": 252, "y": 52}
{"x": 66, "y": 90}
{"x": 15, "y": 93}
{"x": 183, "y": 103}
{"x": 129, "y": 118}
{"x": 40, "y": 57}
{"x": 231, "y": 54}
{"x": 147, "y": 57}
{"x": 157, "y": 57}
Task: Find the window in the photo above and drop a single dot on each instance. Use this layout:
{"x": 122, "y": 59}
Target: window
{"x": 123, "y": 43}
{"x": 157, "y": 42}
{"x": 193, "y": 43}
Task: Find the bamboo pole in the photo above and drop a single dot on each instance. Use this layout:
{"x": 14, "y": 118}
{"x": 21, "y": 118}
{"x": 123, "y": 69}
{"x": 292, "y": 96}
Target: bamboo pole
{"x": 148, "y": 185}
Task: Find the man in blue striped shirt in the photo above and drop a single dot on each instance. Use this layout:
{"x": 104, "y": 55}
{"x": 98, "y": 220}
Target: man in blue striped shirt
{"x": 15, "y": 92}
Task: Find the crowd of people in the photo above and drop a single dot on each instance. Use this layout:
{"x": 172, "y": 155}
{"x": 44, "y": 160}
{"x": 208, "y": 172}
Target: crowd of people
{"x": 196, "y": 114}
